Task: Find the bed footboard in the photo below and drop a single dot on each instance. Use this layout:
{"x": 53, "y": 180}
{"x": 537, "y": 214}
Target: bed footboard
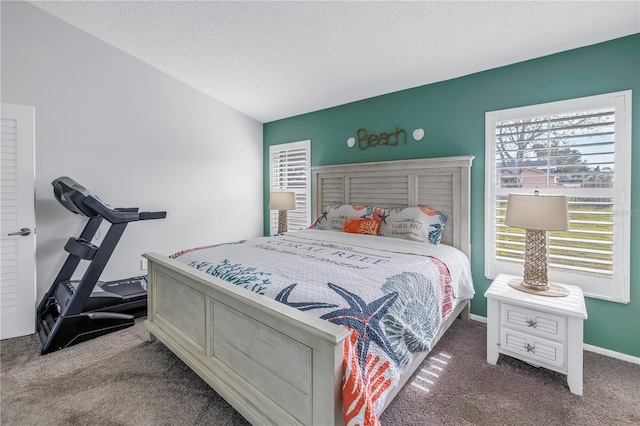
{"x": 272, "y": 363}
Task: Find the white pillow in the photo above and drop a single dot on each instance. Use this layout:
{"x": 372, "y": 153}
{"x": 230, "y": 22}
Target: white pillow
{"x": 413, "y": 223}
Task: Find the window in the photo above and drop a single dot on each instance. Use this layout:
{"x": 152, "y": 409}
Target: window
{"x": 580, "y": 148}
{"x": 289, "y": 166}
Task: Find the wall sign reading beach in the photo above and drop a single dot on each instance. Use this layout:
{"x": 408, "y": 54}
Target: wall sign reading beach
{"x": 366, "y": 139}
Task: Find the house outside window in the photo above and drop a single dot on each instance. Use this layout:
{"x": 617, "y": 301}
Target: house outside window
{"x": 290, "y": 170}
{"x": 580, "y": 148}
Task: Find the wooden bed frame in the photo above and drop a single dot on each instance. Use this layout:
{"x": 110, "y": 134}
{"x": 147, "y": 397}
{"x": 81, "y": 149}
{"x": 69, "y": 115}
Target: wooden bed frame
{"x": 274, "y": 363}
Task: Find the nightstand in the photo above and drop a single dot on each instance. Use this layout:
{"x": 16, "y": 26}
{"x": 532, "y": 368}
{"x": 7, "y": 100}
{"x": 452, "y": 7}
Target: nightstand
{"x": 542, "y": 331}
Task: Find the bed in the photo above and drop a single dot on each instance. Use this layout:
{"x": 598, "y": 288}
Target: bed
{"x": 272, "y": 361}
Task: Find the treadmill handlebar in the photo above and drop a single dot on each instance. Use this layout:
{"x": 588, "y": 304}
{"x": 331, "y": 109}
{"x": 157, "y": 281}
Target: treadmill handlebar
{"x": 112, "y": 215}
{"x": 152, "y": 215}
{"x": 77, "y": 199}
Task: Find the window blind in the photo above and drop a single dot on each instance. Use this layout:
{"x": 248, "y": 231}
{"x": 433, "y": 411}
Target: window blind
{"x": 572, "y": 153}
{"x": 290, "y": 171}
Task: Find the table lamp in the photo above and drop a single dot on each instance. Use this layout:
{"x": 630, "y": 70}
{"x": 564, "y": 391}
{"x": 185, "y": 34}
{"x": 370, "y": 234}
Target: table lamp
{"x": 282, "y": 201}
{"x": 537, "y": 214}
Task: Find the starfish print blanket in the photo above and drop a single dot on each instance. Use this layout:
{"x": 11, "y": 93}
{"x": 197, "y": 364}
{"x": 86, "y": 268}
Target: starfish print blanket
{"x": 391, "y": 294}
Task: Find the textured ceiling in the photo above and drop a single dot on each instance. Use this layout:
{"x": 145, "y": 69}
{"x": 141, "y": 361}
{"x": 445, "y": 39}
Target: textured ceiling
{"x": 273, "y": 60}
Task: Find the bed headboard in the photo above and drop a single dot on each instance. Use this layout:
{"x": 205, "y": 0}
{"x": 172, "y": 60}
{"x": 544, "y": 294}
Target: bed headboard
{"x": 442, "y": 184}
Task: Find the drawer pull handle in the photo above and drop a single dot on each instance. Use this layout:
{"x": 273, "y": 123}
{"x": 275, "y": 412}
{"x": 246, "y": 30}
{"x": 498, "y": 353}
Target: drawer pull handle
{"x": 530, "y": 348}
{"x": 532, "y": 323}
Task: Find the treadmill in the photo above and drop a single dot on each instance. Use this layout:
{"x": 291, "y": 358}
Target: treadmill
{"x": 73, "y": 311}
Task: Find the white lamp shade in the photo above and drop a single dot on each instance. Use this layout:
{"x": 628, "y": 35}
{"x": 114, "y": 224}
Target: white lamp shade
{"x": 537, "y": 212}
{"x": 282, "y": 201}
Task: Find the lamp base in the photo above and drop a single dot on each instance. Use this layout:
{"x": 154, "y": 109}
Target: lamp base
{"x": 282, "y": 221}
{"x": 549, "y": 290}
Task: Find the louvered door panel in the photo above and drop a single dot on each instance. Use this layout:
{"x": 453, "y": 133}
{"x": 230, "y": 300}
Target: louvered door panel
{"x": 17, "y": 252}
{"x": 9, "y": 217}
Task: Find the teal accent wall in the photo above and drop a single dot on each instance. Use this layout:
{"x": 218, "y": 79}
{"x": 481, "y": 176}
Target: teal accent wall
{"x": 452, "y": 114}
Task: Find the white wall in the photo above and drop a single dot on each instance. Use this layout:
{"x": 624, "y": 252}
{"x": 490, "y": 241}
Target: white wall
{"x": 135, "y": 137}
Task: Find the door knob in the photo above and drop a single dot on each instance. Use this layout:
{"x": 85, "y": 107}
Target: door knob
{"x": 22, "y": 232}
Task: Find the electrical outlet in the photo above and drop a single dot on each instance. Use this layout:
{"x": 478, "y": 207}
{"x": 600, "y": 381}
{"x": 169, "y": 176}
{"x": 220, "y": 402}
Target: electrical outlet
{"x": 143, "y": 264}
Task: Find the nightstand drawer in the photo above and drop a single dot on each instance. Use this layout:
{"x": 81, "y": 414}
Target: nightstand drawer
{"x": 532, "y": 348}
{"x": 534, "y": 322}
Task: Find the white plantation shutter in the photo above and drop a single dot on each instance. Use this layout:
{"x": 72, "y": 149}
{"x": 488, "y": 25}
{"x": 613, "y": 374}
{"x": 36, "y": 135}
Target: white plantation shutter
{"x": 289, "y": 167}
{"x": 10, "y": 283}
{"x": 579, "y": 148}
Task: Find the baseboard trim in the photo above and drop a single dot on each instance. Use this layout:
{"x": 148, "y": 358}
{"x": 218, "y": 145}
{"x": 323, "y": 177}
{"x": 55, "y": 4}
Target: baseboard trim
{"x": 478, "y": 318}
{"x": 612, "y": 354}
{"x": 590, "y": 348}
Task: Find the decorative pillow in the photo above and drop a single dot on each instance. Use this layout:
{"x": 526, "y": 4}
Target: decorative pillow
{"x": 362, "y": 226}
{"x": 334, "y": 216}
{"x": 413, "y": 223}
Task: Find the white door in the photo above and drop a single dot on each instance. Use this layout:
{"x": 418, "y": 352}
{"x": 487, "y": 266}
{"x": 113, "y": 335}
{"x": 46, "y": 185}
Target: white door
{"x": 17, "y": 222}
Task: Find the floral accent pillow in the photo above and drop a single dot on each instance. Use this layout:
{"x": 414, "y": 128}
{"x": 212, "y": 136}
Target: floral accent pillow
{"x": 362, "y": 226}
{"x": 334, "y": 216}
{"x": 413, "y": 223}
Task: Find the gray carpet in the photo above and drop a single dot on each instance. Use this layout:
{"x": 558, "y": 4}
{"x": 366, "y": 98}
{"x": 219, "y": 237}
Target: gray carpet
{"x": 122, "y": 379}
